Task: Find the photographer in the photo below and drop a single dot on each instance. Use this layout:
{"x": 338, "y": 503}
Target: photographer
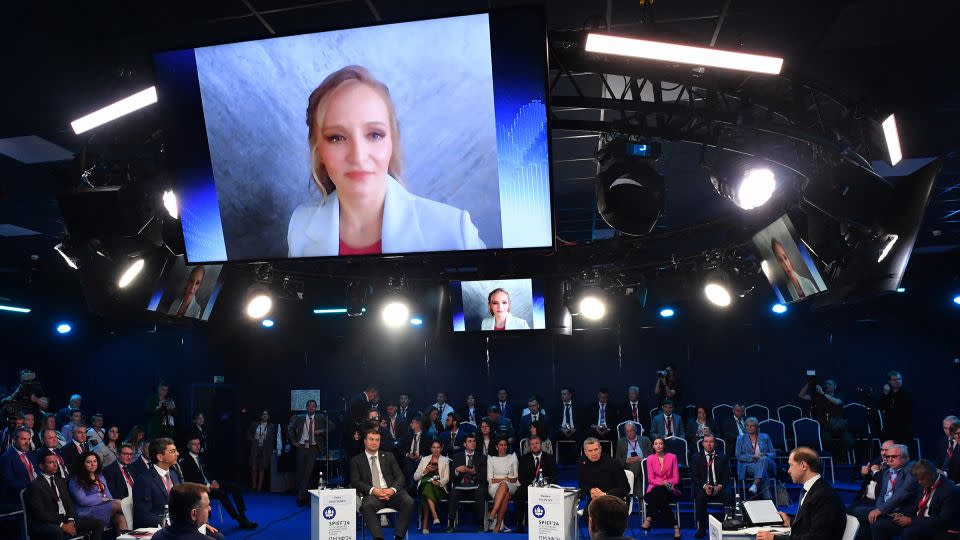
{"x": 827, "y": 408}
{"x": 160, "y": 411}
{"x": 896, "y": 404}
{"x": 668, "y": 387}
{"x": 28, "y": 396}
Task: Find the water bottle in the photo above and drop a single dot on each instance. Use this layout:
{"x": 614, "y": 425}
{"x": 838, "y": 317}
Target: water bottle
{"x": 738, "y": 508}
{"x": 166, "y": 516}
{"x": 322, "y": 484}
{"x": 540, "y": 482}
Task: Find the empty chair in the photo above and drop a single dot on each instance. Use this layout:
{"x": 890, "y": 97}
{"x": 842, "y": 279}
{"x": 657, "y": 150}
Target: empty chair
{"x": 850, "y": 531}
{"x": 777, "y": 433}
{"x": 760, "y": 412}
{"x": 721, "y": 412}
{"x": 788, "y": 413}
{"x": 678, "y": 447}
{"x": 806, "y": 432}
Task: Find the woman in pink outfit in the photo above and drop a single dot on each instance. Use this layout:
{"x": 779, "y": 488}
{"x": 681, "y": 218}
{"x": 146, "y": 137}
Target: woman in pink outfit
{"x": 663, "y": 480}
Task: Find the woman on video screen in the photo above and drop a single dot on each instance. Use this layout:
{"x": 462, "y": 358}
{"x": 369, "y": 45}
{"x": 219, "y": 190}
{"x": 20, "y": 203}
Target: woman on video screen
{"x": 354, "y": 139}
{"x": 498, "y": 304}
{"x": 188, "y": 305}
{"x": 798, "y": 285}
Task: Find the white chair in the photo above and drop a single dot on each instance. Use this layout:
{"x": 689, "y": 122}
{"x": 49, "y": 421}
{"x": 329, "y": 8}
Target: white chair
{"x": 630, "y": 496}
{"x": 643, "y": 489}
{"x": 476, "y": 493}
{"x": 620, "y": 429}
{"x": 384, "y": 512}
{"x": 850, "y": 531}
{"x": 720, "y": 412}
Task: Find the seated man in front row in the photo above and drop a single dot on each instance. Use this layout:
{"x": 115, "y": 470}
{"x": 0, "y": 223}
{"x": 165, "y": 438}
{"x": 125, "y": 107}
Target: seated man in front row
{"x": 599, "y": 474}
{"x": 934, "y": 510}
{"x": 710, "y": 472}
{"x": 895, "y": 490}
{"x": 50, "y": 509}
{"x": 189, "y": 513}
{"x": 820, "y": 513}
{"x": 194, "y": 470}
{"x": 469, "y": 471}
{"x": 376, "y": 475}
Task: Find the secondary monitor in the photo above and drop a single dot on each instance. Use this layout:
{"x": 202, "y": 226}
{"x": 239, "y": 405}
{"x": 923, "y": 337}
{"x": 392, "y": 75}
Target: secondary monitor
{"x": 496, "y": 305}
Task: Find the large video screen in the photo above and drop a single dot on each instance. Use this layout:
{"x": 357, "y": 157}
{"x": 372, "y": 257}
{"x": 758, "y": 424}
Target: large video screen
{"x": 413, "y": 137}
{"x": 786, "y": 262}
{"x": 187, "y": 290}
{"x": 497, "y": 305}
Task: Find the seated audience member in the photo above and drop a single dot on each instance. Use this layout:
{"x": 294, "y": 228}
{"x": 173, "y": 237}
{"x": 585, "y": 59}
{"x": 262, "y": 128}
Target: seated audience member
{"x": 49, "y": 421}
{"x": 698, "y": 427}
{"x": 95, "y": 431}
{"x": 567, "y": 428}
{"x": 120, "y": 480}
{"x": 142, "y": 462}
{"x": 709, "y": 472}
{"x": 503, "y": 405}
{"x": 534, "y": 431}
{"x": 869, "y": 474}
{"x": 934, "y": 510}
{"x": 452, "y": 437}
{"x": 895, "y": 490}
{"x": 633, "y": 409}
{"x": 136, "y": 436}
{"x": 826, "y": 407}
{"x": 608, "y": 518}
{"x": 947, "y": 446}
{"x": 393, "y": 424}
{"x": 262, "y": 437}
{"x": 18, "y": 467}
{"x": 666, "y": 423}
{"x": 502, "y": 476}
{"x": 530, "y": 466}
{"x": 598, "y": 474}
{"x": 377, "y": 477}
{"x": 78, "y": 445}
{"x": 469, "y": 471}
{"x": 601, "y": 418}
{"x": 734, "y": 426}
{"x": 50, "y": 442}
{"x": 471, "y": 411}
{"x": 152, "y": 488}
{"x": 630, "y": 453}
{"x": 192, "y": 467}
{"x": 76, "y": 418}
{"x": 663, "y": 486}
{"x": 65, "y": 415}
{"x": 51, "y": 511}
{"x": 30, "y": 424}
{"x": 535, "y": 415}
{"x": 189, "y": 512}
{"x": 432, "y": 476}
{"x": 373, "y": 421}
{"x": 109, "y": 448}
{"x": 486, "y": 437}
{"x": 502, "y": 426}
{"x": 197, "y": 429}
{"x": 431, "y": 423}
{"x": 756, "y": 454}
{"x": 8, "y": 435}
{"x": 953, "y": 466}
{"x": 415, "y": 445}
{"x": 820, "y": 511}
{"x": 406, "y": 411}
{"x": 443, "y": 407}
{"x": 94, "y": 500}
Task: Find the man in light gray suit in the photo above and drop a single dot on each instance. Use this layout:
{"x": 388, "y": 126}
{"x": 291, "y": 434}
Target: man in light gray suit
{"x": 308, "y": 434}
{"x": 630, "y": 452}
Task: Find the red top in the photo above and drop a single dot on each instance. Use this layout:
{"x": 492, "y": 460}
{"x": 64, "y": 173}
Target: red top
{"x": 499, "y": 328}
{"x": 372, "y": 249}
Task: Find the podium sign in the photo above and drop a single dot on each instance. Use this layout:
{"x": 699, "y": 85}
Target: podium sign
{"x": 333, "y": 514}
{"x": 551, "y": 514}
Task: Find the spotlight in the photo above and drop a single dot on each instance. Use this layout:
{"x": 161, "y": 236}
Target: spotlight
{"x": 666, "y": 313}
{"x": 901, "y": 290}
{"x": 630, "y": 191}
{"x": 170, "y": 203}
{"x": 71, "y": 261}
{"x": 893, "y": 139}
{"x": 259, "y": 305}
{"x": 267, "y": 323}
{"x": 416, "y": 321}
{"x": 592, "y": 307}
{"x": 115, "y": 110}
{"x": 682, "y": 54}
{"x": 395, "y": 314}
{"x": 64, "y": 328}
{"x": 956, "y": 300}
{"x": 749, "y": 185}
{"x": 888, "y": 242}
{"x": 130, "y": 273}
{"x": 717, "y": 288}
{"x": 779, "y": 309}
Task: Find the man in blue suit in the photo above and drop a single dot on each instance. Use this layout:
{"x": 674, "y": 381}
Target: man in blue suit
{"x": 896, "y": 489}
{"x": 934, "y": 510}
{"x": 18, "y": 467}
{"x": 151, "y": 490}
{"x": 667, "y": 423}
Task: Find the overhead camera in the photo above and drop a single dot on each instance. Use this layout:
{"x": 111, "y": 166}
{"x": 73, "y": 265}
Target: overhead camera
{"x": 662, "y": 373}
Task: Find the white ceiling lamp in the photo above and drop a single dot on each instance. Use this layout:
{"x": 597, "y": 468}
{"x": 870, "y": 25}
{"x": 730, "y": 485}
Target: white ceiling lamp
{"x": 683, "y": 54}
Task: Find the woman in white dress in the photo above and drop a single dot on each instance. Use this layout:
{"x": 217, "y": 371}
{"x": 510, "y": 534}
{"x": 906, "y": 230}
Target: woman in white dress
{"x": 502, "y": 474}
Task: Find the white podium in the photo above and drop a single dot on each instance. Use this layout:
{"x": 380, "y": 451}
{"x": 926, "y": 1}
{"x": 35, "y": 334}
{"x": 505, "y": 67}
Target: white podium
{"x": 552, "y": 513}
{"x": 333, "y": 514}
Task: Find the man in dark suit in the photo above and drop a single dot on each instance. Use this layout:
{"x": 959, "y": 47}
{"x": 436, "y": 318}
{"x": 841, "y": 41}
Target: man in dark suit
{"x": 946, "y": 447}
{"x": 18, "y": 467}
{"x": 820, "y": 514}
{"x": 355, "y": 416}
{"x": 469, "y": 470}
{"x": 535, "y": 415}
{"x": 503, "y": 404}
{"x": 568, "y": 428}
{"x": 50, "y": 509}
{"x": 710, "y": 472}
{"x": 503, "y": 427}
{"x": 377, "y": 477}
{"x": 193, "y": 470}
{"x": 406, "y": 411}
{"x": 189, "y": 510}
{"x": 599, "y": 474}
{"x": 953, "y": 465}
{"x": 734, "y": 426}
{"x": 393, "y": 424}
{"x": 49, "y": 440}
{"x": 452, "y": 437}
{"x": 77, "y": 445}
{"x": 118, "y": 474}
{"x": 934, "y": 511}
{"x": 415, "y": 444}
{"x": 65, "y": 414}
{"x": 608, "y": 518}
{"x": 601, "y": 418}
{"x": 633, "y": 409}
{"x": 667, "y": 423}
{"x": 143, "y": 463}
{"x": 151, "y": 489}
{"x": 308, "y": 434}
{"x": 895, "y": 490}
{"x": 897, "y": 407}
{"x": 532, "y": 464}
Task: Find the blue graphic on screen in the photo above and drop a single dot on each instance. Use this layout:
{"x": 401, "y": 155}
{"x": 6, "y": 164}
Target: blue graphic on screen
{"x": 524, "y": 177}
{"x": 200, "y": 216}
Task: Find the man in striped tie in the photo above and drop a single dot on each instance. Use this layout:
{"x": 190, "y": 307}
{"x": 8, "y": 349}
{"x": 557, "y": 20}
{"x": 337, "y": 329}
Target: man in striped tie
{"x": 151, "y": 489}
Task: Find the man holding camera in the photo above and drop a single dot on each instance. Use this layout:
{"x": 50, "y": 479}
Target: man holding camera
{"x": 827, "y": 408}
{"x": 897, "y": 407}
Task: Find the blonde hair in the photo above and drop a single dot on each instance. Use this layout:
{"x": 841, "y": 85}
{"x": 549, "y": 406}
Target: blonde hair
{"x": 316, "y": 107}
{"x": 490, "y": 297}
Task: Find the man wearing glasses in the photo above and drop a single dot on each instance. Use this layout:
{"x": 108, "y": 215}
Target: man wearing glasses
{"x": 895, "y": 490}
{"x": 151, "y": 489}
{"x": 120, "y": 479}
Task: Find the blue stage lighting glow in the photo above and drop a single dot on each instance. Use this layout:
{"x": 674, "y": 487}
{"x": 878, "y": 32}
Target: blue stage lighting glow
{"x": 901, "y": 289}
{"x": 666, "y": 313}
{"x": 64, "y": 328}
{"x": 416, "y": 321}
{"x": 956, "y": 300}
{"x": 267, "y": 323}
{"x": 779, "y": 309}
{"x": 14, "y": 309}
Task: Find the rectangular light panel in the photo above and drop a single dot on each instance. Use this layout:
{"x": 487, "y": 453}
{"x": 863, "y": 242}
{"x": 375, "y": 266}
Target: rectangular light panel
{"x": 683, "y": 54}
{"x": 893, "y": 139}
{"x": 115, "y": 110}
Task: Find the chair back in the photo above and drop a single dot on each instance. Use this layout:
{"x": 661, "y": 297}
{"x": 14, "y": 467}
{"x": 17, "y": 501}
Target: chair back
{"x": 630, "y": 479}
{"x": 760, "y": 412}
{"x": 856, "y": 414}
{"x": 678, "y": 447}
{"x": 788, "y": 413}
{"x": 850, "y": 531}
{"x": 806, "y": 432}
{"x": 777, "y": 433}
{"x": 468, "y": 427}
{"x": 653, "y": 412}
{"x": 721, "y": 412}
{"x": 721, "y": 445}
{"x": 26, "y": 518}
{"x": 622, "y": 431}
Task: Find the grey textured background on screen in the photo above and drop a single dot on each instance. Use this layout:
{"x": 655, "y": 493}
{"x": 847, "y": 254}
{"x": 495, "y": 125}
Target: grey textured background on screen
{"x": 255, "y": 99}
{"x": 475, "y": 307}
{"x": 176, "y": 279}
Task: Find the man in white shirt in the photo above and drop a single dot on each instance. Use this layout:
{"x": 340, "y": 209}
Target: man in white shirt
{"x": 194, "y": 471}
{"x": 50, "y": 507}
{"x": 444, "y": 408}
{"x": 820, "y": 513}
{"x": 307, "y": 433}
{"x": 95, "y": 433}
{"x": 377, "y": 477}
{"x": 567, "y": 428}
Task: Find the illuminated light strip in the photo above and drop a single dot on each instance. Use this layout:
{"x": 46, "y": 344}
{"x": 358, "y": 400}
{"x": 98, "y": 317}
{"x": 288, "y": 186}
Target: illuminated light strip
{"x": 113, "y": 111}
{"x": 893, "y": 139}
{"x": 14, "y": 309}
{"x": 683, "y": 54}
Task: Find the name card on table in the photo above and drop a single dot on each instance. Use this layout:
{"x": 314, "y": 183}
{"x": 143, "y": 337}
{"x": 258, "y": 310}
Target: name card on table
{"x": 333, "y": 514}
{"x": 548, "y": 515}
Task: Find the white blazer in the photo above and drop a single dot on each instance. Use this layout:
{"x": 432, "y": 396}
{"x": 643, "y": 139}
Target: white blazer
{"x": 512, "y": 323}
{"x": 410, "y": 224}
{"x": 443, "y": 469}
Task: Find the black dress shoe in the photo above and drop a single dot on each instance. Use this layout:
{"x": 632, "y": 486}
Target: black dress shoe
{"x": 247, "y": 524}
{"x": 700, "y": 534}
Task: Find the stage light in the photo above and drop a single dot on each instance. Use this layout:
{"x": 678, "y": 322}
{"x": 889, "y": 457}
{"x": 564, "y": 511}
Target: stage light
{"x": 259, "y": 305}
{"x": 115, "y": 110}
{"x": 901, "y": 290}
{"x": 329, "y": 311}
{"x": 888, "y": 243}
{"x": 630, "y": 191}
{"x": 130, "y": 273}
{"x": 893, "y": 139}
{"x": 748, "y": 185}
{"x": 64, "y": 328}
{"x": 666, "y": 313}
{"x": 717, "y": 294}
{"x": 170, "y": 203}
{"x": 682, "y": 54}
{"x": 592, "y": 307}
{"x": 267, "y": 323}
{"x": 416, "y": 321}
{"x": 14, "y": 309}
{"x": 956, "y": 300}
{"x": 395, "y": 314}
{"x": 72, "y": 262}
{"x": 779, "y": 309}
